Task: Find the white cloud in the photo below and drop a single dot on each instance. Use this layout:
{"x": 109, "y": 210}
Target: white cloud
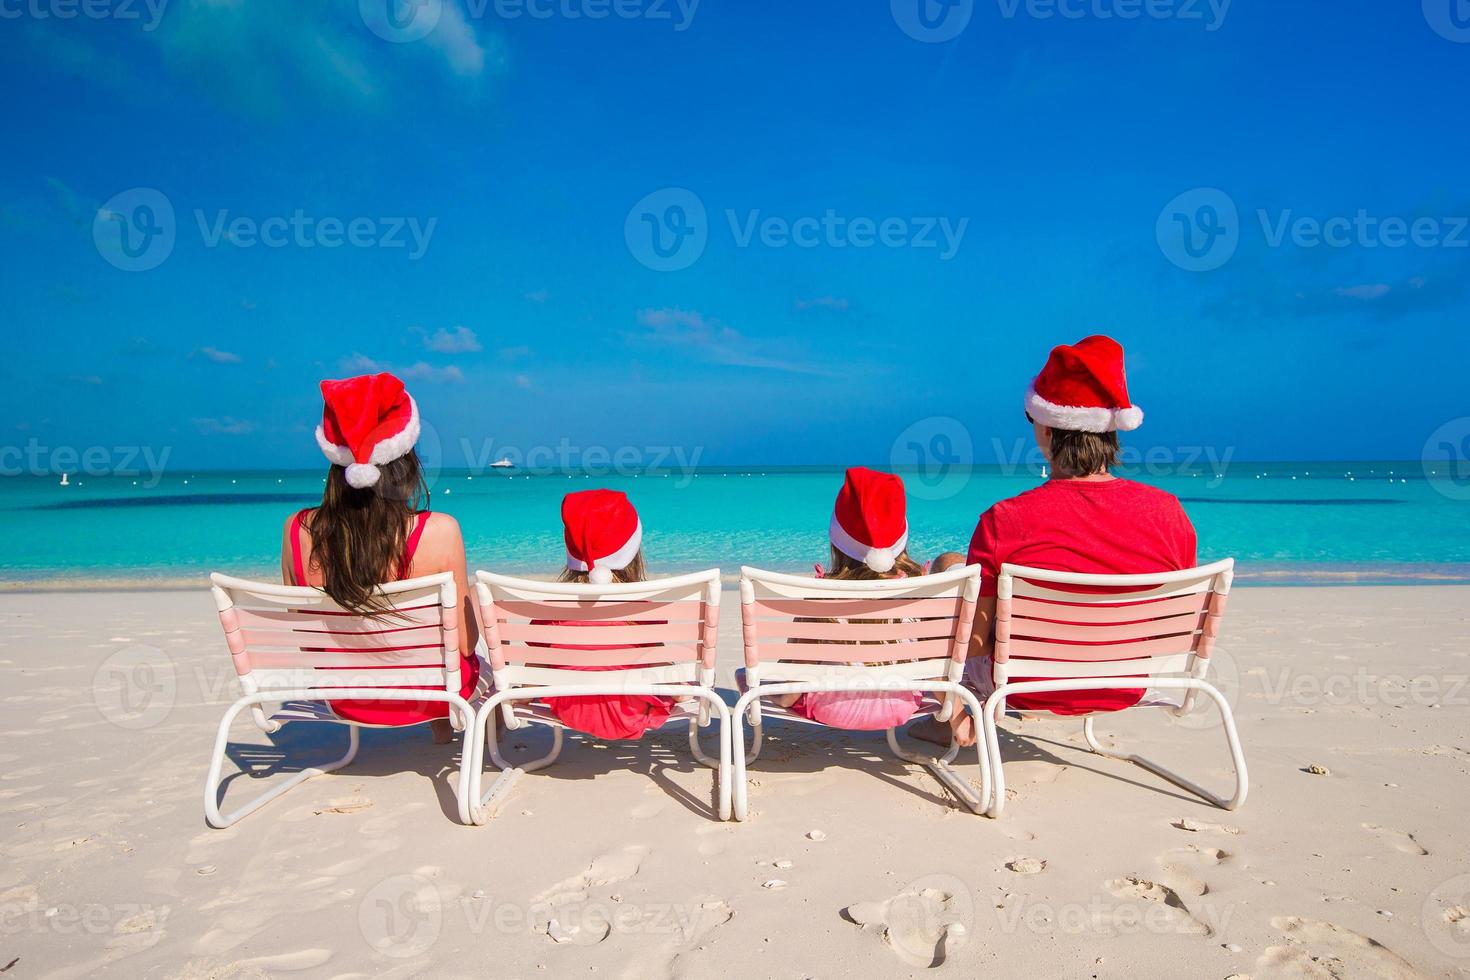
{"x": 713, "y": 341}
{"x": 224, "y": 426}
{"x": 360, "y": 364}
{"x": 460, "y": 340}
{"x": 1370, "y": 291}
{"x": 418, "y": 371}
{"x": 455, "y": 38}
{"x": 218, "y": 356}
{"x": 422, "y": 371}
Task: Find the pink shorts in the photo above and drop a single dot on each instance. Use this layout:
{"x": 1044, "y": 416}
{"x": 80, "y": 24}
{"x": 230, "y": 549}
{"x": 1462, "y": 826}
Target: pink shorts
{"x": 863, "y": 711}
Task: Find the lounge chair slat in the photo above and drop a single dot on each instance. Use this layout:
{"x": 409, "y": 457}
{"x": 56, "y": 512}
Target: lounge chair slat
{"x": 1107, "y": 612}
{"x": 600, "y": 634}
{"x": 895, "y": 608}
{"x": 1040, "y": 629}
{"x": 1090, "y": 652}
{"x": 577, "y": 610}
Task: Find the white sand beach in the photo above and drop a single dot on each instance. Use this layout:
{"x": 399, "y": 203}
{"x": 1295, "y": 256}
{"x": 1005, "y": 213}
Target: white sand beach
{"x": 852, "y": 863}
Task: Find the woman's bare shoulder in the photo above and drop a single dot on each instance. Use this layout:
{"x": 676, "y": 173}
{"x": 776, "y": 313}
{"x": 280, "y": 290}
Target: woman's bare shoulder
{"x": 442, "y": 529}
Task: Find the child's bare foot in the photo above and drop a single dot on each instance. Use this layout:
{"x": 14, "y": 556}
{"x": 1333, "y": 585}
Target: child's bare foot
{"x": 441, "y": 731}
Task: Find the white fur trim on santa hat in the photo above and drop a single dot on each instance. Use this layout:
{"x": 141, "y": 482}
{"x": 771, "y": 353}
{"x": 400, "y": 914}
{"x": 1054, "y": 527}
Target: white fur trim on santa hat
{"x": 386, "y": 451}
{"x": 616, "y": 561}
{"x": 1077, "y": 419}
{"x": 880, "y": 560}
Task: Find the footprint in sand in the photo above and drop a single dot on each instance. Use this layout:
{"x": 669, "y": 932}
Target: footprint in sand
{"x": 1348, "y": 954}
{"x": 690, "y": 932}
{"x": 1194, "y": 854}
{"x": 924, "y": 923}
{"x": 1141, "y": 889}
{"x": 1399, "y": 840}
{"x": 1033, "y": 773}
{"x": 564, "y": 914}
{"x": 713, "y": 838}
{"x": 1177, "y": 865}
{"x": 1205, "y": 826}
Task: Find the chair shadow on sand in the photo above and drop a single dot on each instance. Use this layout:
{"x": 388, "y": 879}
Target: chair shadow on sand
{"x": 1033, "y": 747}
{"x": 789, "y": 749}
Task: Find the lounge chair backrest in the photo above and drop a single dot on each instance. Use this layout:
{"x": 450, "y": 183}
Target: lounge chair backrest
{"x": 662, "y": 631}
{"x": 286, "y": 637}
{"x": 1164, "y": 623}
{"x": 917, "y": 628}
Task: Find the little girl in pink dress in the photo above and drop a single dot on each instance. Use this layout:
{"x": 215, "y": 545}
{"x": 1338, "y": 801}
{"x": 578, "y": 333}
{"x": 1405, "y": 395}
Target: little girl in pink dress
{"x": 604, "y": 540}
{"x": 869, "y": 535}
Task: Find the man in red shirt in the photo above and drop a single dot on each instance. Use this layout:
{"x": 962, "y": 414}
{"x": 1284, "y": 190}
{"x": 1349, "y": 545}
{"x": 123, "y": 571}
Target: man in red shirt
{"x": 1083, "y": 519}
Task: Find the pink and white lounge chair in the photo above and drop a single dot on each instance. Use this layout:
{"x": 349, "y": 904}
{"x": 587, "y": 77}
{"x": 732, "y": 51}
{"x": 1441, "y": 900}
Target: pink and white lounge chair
{"x": 665, "y": 631}
{"x": 1151, "y": 631}
{"x": 294, "y": 646}
{"x": 917, "y": 631}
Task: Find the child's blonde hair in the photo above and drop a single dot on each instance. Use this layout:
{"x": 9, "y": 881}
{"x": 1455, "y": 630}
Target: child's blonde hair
{"x": 851, "y": 570}
{"x": 634, "y": 571}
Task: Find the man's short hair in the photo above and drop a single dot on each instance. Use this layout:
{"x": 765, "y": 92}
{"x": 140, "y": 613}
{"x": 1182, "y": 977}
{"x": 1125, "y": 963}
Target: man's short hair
{"x": 1076, "y": 453}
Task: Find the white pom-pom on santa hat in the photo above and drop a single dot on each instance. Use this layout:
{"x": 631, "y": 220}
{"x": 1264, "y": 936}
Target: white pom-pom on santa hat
{"x": 362, "y": 475}
{"x": 1128, "y": 419}
{"x": 600, "y": 576}
{"x": 880, "y": 560}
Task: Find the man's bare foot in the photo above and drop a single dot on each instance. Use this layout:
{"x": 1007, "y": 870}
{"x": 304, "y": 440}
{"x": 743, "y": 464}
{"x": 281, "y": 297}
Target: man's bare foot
{"x": 442, "y": 731}
{"x": 930, "y": 730}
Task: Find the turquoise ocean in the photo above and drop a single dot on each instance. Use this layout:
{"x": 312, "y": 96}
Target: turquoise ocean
{"x": 1284, "y": 523}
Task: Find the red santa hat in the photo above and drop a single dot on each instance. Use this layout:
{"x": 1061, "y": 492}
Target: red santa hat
{"x": 602, "y": 532}
{"x": 367, "y": 421}
{"x": 1083, "y": 388}
{"x": 870, "y": 522}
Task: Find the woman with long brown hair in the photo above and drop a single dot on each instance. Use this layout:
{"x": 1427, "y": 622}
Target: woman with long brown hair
{"x": 373, "y": 526}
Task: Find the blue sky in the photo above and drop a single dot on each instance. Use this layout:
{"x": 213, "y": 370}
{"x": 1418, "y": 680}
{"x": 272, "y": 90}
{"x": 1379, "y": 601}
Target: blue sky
{"x": 494, "y": 169}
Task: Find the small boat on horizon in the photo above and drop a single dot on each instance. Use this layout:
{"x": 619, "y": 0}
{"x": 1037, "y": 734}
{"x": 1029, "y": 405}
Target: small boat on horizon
{"x": 65, "y": 482}
{"x": 502, "y": 464}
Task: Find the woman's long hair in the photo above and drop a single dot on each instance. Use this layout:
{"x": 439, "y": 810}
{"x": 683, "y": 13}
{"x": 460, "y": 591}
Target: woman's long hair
{"x": 358, "y": 537}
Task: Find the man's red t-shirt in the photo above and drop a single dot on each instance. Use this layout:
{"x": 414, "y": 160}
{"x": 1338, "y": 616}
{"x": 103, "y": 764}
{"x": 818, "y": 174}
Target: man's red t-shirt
{"x": 1107, "y": 527}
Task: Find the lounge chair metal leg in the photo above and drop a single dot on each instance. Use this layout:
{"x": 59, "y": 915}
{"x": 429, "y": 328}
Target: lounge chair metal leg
{"x": 991, "y": 742}
{"x": 713, "y": 704}
{"x": 741, "y": 757}
{"x": 1232, "y": 740}
{"x": 942, "y": 768}
{"x": 212, "y": 812}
